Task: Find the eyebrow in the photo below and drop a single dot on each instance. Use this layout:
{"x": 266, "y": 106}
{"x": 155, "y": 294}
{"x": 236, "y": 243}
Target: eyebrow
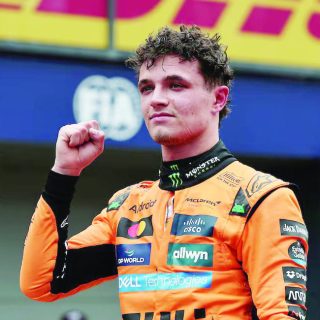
{"x": 168, "y": 78}
{"x": 142, "y": 82}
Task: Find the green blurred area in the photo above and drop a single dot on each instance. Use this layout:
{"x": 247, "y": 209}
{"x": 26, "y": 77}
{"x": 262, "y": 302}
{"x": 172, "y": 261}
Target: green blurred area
{"x": 23, "y": 170}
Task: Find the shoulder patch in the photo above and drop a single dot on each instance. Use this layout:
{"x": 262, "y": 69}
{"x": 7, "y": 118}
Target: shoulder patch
{"x": 120, "y": 197}
{"x": 240, "y": 206}
{"x": 118, "y": 201}
{"x": 258, "y": 182}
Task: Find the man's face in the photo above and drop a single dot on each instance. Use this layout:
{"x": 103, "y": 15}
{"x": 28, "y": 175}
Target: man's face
{"x": 178, "y": 106}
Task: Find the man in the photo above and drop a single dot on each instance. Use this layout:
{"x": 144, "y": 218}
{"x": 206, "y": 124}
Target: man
{"x": 211, "y": 239}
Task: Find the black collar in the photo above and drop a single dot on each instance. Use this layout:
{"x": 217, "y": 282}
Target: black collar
{"x": 184, "y": 173}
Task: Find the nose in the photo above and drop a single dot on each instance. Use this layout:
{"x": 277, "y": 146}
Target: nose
{"x": 159, "y": 98}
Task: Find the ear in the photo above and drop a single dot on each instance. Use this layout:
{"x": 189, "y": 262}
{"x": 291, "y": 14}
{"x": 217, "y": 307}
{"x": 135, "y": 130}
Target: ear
{"x": 221, "y": 94}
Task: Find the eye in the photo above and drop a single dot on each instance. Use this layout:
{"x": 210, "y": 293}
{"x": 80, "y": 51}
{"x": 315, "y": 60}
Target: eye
{"x": 146, "y": 89}
{"x": 176, "y": 85}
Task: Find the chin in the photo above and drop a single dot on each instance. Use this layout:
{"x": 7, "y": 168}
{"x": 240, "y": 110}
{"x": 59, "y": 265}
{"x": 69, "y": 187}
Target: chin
{"x": 169, "y": 140}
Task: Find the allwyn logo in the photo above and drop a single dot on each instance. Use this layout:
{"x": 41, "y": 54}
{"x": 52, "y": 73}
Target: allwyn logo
{"x": 190, "y": 254}
{"x": 184, "y": 253}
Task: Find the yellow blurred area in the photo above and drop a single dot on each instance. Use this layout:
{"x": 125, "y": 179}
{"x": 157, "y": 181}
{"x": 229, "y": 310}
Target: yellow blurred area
{"x": 294, "y": 46}
{"x": 28, "y": 25}
{"x": 54, "y": 29}
{"x": 12, "y": 2}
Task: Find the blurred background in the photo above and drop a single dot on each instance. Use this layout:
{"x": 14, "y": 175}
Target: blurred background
{"x": 61, "y": 61}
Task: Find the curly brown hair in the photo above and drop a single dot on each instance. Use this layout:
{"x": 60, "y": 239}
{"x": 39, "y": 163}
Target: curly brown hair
{"x": 189, "y": 43}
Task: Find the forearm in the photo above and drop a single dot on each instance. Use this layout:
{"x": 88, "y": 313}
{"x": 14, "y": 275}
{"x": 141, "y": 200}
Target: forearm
{"x": 43, "y": 255}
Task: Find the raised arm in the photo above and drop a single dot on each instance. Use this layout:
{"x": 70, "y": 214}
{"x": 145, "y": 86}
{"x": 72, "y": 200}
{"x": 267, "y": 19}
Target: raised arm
{"x": 52, "y": 266}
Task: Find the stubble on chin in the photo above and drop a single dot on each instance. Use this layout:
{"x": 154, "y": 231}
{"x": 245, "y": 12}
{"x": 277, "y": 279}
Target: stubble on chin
{"x": 166, "y": 139}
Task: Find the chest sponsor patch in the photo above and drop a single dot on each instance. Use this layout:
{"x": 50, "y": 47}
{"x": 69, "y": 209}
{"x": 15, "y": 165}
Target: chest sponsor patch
{"x": 197, "y": 225}
{"x": 297, "y": 253}
{"x": 135, "y": 229}
{"x": 296, "y": 295}
{"x": 186, "y": 254}
{"x": 293, "y": 228}
{"x": 230, "y": 179}
{"x": 294, "y": 275}
{"x": 164, "y": 281}
{"x": 196, "y": 202}
{"x": 142, "y": 206}
{"x": 133, "y": 254}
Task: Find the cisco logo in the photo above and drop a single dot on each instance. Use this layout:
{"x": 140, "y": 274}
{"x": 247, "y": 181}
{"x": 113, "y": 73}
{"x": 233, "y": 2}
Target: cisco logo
{"x": 195, "y": 225}
{"x": 113, "y": 102}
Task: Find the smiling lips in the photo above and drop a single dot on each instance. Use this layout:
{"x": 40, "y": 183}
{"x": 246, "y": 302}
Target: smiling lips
{"x": 159, "y": 115}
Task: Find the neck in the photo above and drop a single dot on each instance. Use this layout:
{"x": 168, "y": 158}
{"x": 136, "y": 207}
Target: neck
{"x": 183, "y": 173}
{"x": 191, "y": 149}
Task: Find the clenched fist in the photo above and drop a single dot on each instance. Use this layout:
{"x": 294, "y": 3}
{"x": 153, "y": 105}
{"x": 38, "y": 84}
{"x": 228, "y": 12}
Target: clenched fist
{"x": 77, "y": 146}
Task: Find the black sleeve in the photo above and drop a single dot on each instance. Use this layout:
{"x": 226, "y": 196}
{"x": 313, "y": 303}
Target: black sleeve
{"x": 74, "y": 267}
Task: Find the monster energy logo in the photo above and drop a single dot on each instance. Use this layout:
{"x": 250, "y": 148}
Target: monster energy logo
{"x": 174, "y": 167}
{"x": 176, "y": 179}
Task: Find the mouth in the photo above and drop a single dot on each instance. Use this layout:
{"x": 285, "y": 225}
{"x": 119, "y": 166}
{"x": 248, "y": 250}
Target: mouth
{"x": 160, "y": 115}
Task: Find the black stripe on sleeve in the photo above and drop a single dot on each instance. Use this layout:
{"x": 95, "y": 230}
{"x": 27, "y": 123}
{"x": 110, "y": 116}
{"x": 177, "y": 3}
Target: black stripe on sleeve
{"x": 85, "y": 265}
{"x": 58, "y": 193}
{"x": 77, "y": 266}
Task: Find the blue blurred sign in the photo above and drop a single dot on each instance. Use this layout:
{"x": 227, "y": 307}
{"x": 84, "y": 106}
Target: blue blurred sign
{"x": 270, "y": 116}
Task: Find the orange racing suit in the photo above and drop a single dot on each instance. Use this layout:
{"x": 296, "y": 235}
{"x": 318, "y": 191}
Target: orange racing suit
{"x": 211, "y": 239}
